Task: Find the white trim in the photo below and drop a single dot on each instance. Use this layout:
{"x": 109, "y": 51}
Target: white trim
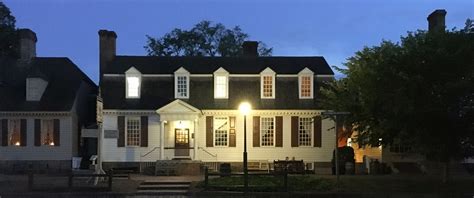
{"x": 139, "y": 131}
{"x": 214, "y": 132}
{"x": 311, "y": 132}
{"x": 263, "y": 112}
{"x": 267, "y": 72}
{"x": 34, "y": 113}
{"x": 133, "y": 73}
{"x": 287, "y": 75}
{"x": 180, "y": 102}
{"x": 274, "y": 131}
{"x": 157, "y": 75}
{"x": 113, "y": 75}
{"x": 306, "y": 73}
{"x": 244, "y": 75}
{"x": 181, "y": 72}
{"x": 324, "y": 75}
{"x": 210, "y": 75}
{"x": 200, "y": 75}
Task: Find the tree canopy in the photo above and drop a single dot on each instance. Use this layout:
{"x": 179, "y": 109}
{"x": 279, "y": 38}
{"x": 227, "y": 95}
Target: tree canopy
{"x": 204, "y": 39}
{"x": 418, "y": 92}
{"x": 8, "y": 41}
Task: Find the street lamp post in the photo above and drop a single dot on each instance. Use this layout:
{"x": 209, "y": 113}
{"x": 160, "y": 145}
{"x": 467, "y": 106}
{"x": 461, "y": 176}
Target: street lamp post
{"x": 336, "y": 119}
{"x": 245, "y": 110}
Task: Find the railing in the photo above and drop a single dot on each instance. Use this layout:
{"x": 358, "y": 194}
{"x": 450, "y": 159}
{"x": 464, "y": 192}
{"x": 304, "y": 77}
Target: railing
{"x": 145, "y": 165}
{"x": 207, "y": 174}
{"x": 209, "y": 153}
{"x": 70, "y": 176}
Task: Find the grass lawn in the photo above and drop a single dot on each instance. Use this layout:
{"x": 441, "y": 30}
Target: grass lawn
{"x": 349, "y": 184}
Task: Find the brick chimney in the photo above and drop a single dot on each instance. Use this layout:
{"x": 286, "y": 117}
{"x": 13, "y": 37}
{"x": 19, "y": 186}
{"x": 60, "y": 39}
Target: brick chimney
{"x": 107, "y": 49}
{"x": 436, "y": 21}
{"x": 27, "y": 47}
{"x": 250, "y": 48}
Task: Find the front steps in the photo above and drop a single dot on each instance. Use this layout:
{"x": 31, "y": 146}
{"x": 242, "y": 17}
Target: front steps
{"x": 163, "y": 188}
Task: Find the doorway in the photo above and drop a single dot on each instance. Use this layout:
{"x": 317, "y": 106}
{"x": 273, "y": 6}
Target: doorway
{"x": 181, "y": 142}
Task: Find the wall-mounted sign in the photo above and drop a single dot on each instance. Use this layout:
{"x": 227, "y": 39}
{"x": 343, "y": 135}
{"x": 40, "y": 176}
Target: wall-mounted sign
{"x": 111, "y": 134}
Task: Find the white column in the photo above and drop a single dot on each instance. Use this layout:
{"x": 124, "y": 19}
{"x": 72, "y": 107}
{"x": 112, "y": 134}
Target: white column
{"x": 195, "y": 139}
{"x": 162, "y": 140}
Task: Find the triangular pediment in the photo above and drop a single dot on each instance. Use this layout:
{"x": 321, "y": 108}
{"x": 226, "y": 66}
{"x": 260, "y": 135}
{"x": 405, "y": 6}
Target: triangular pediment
{"x": 267, "y": 70}
{"x": 306, "y": 71}
{"x": 178, "y": 107}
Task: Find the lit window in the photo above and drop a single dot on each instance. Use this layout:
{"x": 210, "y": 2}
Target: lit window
{"x": 267, "y": 131}
{"x": 133, "y": 131}
{"x": 306, "y": 87}
{"x": 182, "y": 87}
{"x": 305, "y": 131}
{"x": 220, "y": 90}
{"x": 133, "y": 87}
{"x": 14, "y": 127}
{"x": 267, "y": 87}
{"x": 47, "y": 132}
{"x": 221, "y": 131}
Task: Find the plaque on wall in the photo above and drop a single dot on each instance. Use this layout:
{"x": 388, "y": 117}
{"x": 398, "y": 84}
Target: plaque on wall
{"x": 110, "y": 134}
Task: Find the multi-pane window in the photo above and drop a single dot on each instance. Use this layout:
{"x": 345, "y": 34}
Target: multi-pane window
{"x": 133, "y": 87}
{"x": 267, "y": 86}
{"x": 14, "y": 127}
{"x": 182, "y": 87}
{"x": 305, "y": 87}
{"x": 182, "y": 136}
{"x": 221, "y": 131}
{"x": 267, "y": 131}
{"x": 133, "y": 131}
{"x": 220, "y": 90}
{"x": 47, "y": 132}
{"x": 305, "y": 131}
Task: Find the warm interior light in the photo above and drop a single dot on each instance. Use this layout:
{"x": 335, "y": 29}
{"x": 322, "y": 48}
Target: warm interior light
{"x": 133, "y": 86}
{"x": 245, "y": 108}
{"x": 17, "y": 143}
{"x": 51, "y": 143}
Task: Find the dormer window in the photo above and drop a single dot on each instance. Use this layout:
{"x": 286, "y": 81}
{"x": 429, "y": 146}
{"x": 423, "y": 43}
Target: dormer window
{"x": 267, "y": 84}
{"x": 133, "y": 82}
{"x": 35, "y": 88}
{"x": 221, "y": 84}
{"x": 181, "y": 81}
{"x": 305, "y": 84}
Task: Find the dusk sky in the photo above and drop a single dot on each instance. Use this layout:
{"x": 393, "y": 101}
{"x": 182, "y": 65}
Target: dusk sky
{"x": 333, "y": 29}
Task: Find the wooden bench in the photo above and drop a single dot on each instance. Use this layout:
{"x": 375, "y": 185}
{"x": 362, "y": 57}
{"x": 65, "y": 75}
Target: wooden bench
{"x": 290, "y": 166}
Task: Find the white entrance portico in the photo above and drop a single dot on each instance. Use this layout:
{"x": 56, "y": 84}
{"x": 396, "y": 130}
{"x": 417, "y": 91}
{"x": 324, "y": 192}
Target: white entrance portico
{"x": 179, "y": 125}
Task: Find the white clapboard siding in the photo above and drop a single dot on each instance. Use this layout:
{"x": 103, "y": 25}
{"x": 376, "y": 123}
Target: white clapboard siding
{"x": 234, "y": 154}
{"x": 112, "y": 153}
{"x": 32, "y": 152}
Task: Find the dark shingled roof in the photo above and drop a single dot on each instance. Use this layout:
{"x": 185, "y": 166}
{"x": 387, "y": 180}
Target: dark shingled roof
{"x": 63, "y": 76}
{"x": 207, "y": 65}
{"x": 159, "y": 91}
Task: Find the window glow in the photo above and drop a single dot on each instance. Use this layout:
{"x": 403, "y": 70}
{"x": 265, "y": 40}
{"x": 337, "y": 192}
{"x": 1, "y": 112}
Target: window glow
{"x": 221, "y": 87}
{"x": 305, "y": 87}
{"x": 267, "y": 86}
{"x": 133, "y": 86}
{"x": 182, "y": 87}
{"x": 47, "y": 132}
{"x": 14, "y": 127}
{"x": 267, "y": 131}
{"x": 133, "y": 131}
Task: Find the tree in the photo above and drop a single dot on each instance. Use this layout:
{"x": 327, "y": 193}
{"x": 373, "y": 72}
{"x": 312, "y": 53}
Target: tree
{"x": 8, "y": 35}
{"x": 204, "y": 39}
{"x": 418, "y": 92}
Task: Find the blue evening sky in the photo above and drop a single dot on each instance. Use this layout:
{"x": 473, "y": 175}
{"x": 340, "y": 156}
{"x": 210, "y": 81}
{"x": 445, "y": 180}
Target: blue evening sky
{"x": 334, "y": 29}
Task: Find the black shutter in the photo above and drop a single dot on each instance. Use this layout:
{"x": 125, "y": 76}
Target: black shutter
{"x": 209, "y": 133}
{"x": 256, "y": 131}
{"x": 317, "y": 131}
{"x": 4, "y": 134}
{"x": 37, "y": 132}
{"x": 279, "y": 131}
{"x": 23, "y": 133}
{"x": 232, "y": 135}
{"x": 56, "y": 132}
{"x": 144, "y": 131}
{"x": 121, "y": 131}
{"x": 294, "y": 131}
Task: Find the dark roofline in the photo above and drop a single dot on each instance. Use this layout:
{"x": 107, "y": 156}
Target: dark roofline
{"x": 85, "y": 77}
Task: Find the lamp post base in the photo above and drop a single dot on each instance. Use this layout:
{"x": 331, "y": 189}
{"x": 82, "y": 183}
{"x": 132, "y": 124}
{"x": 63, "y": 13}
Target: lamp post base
{"x": 246, "y": 179}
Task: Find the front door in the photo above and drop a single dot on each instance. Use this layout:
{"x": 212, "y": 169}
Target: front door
{"x": 181, "y": 142}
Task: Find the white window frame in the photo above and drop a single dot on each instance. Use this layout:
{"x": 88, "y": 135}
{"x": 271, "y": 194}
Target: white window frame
{"x": 181, "y": 72}
{"x": 274, "y": 131}
{"x": 221, "y": 72}
{"x": 306, "y": 73}
{"x": 133, "y": 73}
{"x": 214, "y": 128}
{"x": 267, "y": 73}
{"x": 139, "y": 130}
{"x": 311, "y": 131}
{"x": 43, "y": 133}
{"x": 10, "y": 131}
